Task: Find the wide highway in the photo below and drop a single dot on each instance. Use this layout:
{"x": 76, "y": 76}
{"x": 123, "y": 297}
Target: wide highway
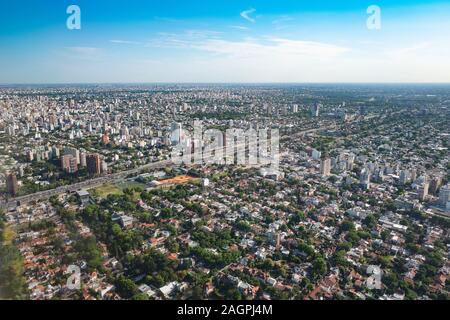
{"x": 115, "y": 177}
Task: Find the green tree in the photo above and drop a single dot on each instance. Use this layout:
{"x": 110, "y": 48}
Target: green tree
{"x": 88, "y": 250}
{"x": 319, "y": 267}
{"x": 12, "y": 281}
{"x": 125, "y": 287}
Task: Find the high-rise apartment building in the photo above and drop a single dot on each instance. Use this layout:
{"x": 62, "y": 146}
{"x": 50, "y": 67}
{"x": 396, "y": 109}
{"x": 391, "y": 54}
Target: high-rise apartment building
{"x": 94, "y": 164}
{"x": 315, "y": 110}
{"x": 176, "y": 133}
{"x": 364, "y": 179}
{"x": 435, "y": 183}
{"x": 404, "y": 176}
{"x": 11, "y": 184}
{"x": 69, "y": 163}
{"x": 73, "y": 152}
{"x": 325, "y": 167}
{"x": 423, "y": 191}
{"x": 444, "y": 197}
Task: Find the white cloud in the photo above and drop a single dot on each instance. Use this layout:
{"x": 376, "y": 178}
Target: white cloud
{"x": 124, "y": 42}
{"x": 271, "y": 48}
{"x": 401, "y": 53}
{"x": 267, "y": 47}
{"x": 207, "y": 58}
{"x": 246, "y": 14}
{"x": 240, "y": 27}
{"x": 267, "y": 59}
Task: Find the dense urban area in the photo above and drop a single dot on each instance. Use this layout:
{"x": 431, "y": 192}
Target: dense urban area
{"x": 358, "y": 207}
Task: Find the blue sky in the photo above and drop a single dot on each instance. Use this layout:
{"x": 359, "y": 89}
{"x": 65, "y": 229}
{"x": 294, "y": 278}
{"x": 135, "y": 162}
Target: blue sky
{"x": 224, "y": 41}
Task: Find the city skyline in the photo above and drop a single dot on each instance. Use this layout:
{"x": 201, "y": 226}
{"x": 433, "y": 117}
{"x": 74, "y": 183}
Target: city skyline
{"x": 178, "y": 193}
{"x": 241, "y": 154}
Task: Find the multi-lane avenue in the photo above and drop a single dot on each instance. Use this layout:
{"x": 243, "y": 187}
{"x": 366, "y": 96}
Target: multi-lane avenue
{"x": 115, "y": 177}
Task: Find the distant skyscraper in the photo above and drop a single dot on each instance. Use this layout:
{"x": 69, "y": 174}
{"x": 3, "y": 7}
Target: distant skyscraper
{"x": 316, "y": 154}
{"x": 69, "y": 163}
{"x": 435, "y": 183}
{"x": 73, "y": 152}
{"x": 268, "y": 109}
{"x": 83, "y": 162}
{"x": 21, "y": 171}
{"x": 379, "y": 175}
{"x": 404, "y": 175}
{"x": 350, "y": 163}
{"x": 444, "y": 197}
{"x": 364, "y": 179}
{"x": 124, "y": 132}
{"x": 55, "y": 152}
{"x": 423, "y": 191}
{"x": 104, "y": 166}
{"x": 325, "y": 167}
{"x": 11, "y": 130}
{"x": 94, "y": 164}
{"x": 176, "y": 131}
{"x": 413, "y": 175}
{"x": 11, "y": 184}
{"x": 315, "y": 110}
